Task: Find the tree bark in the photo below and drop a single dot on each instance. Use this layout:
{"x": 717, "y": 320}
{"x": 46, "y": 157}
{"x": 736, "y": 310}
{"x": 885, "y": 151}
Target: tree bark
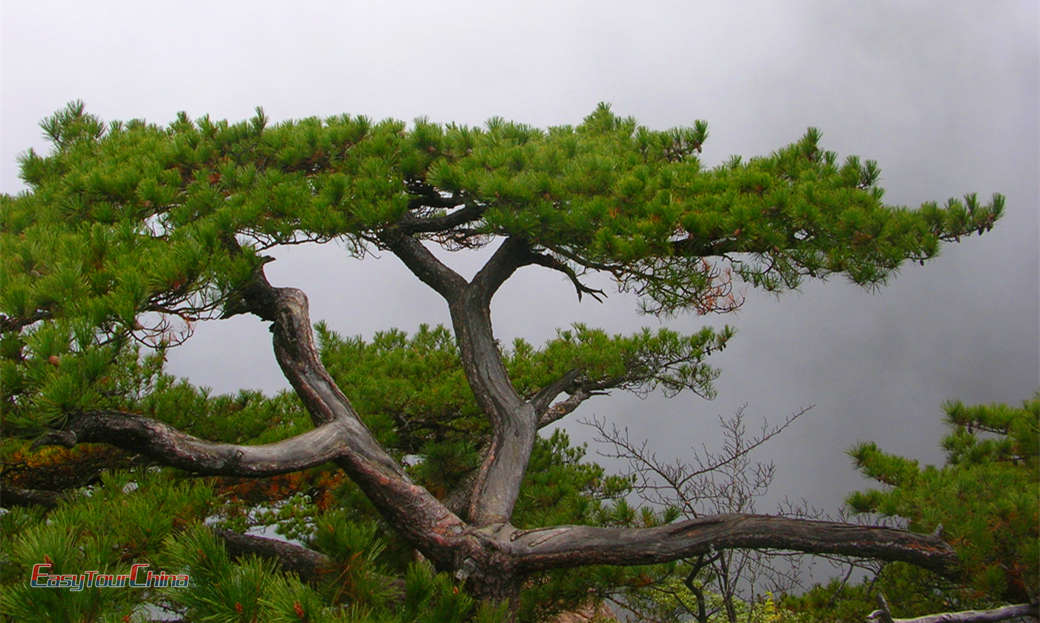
{"x": 175, "y": 448}
{"x": 308, "y": 564}
{"x": 489, "y": 554}
{"x": 884, "y": 615}
{"x": 420, "y": 518}
{"x": 15, "y": 496}
{"x": 572, "y": 546}
{"x": 514, "y": 423}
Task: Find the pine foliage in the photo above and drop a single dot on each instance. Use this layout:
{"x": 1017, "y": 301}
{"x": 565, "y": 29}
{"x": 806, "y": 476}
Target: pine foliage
{"x": 987, "y": 496}
{"x": 131, "y": 233}
{"x": 985, "y": 501}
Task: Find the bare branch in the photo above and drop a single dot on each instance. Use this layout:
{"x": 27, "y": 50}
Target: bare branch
{"x": 15, "y": 496}
{"x": 549, "y": 261}
{"x": 883, "y": 614}
{"x": 541, "y": 400}
{"x": 572, "y": 546}
{"x": 688, "y": 484}
{"x": 175, "y": 448}
{"x": 564, "y": 407}
{"x": 411, "y": 224}
{"x": 306, "y": 563}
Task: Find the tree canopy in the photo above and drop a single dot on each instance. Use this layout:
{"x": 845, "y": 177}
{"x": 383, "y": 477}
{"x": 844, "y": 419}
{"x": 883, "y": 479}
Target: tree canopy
{"x": 129, "y": 233}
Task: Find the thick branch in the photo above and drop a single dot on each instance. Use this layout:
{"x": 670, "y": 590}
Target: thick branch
{"x": 175, "y": 448}
{"x": 572, "y": 546}
{"x": 513, "y": 420}
{"x": 510, "y": 255}
{"x": 545, "y": 396}
{"x": 412, "y": 510}
{"x": 884, "y": 615}
{"x": 424, "y": 265}
{"x": 15, "y": 496}
{"x": 443, "y": 222}
{"x": 306, "y": 563}
{"x": 564, "y": 407}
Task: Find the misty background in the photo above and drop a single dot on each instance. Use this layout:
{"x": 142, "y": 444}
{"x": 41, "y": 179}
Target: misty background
{"x": 944, "y": 95}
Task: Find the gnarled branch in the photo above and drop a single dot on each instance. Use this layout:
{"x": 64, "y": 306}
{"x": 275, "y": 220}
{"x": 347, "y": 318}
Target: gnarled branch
{"x": 549, "y": 261}
{"x": 304, "y": 562}
{"x": 512, "y": 254}
{"x": 16, "y": 496}
{"x": 423, "y": 264}
{"x": 541, "y": 400}
{"x": 411, "y": 224}
{"x": 175, "y": 448}
{"x": 513, "y": 420}
{"x": 561, "y": 409}
{"x": 411, "y": 509}
{"x": 572, "y": 546}
{"x": 884, "y": 615}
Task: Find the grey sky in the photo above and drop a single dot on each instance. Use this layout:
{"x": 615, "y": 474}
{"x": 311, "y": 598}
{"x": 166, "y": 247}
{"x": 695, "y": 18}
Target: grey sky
{"x": 944, "y": 95}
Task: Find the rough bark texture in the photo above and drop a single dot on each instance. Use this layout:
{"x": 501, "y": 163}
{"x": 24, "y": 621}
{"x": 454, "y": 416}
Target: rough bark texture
{"x": 513, "y": 420}
{"x": 883, "y": 614}
{"x": 480, "y": 546}
{"x": 306, "y": 563}
{"x": 15, "y": 496}
{"x": 172, "y": 447}
{"x": 572, "y": 546}
{"x": 411, "y": 509}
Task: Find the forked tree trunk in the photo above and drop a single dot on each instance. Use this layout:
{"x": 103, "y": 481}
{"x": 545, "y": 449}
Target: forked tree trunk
{"x": 482, "y": 547}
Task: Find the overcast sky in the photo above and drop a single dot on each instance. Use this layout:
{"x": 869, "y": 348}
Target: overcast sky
{"x": 944, "y": 95}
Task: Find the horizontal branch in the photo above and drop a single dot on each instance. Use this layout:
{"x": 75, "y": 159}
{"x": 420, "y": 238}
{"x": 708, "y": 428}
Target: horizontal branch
{"x": 561, "y": 409}
{"x": 884, "y": 615}
{"x": 176, "y": 448}
{"x": 541, "y": 400}
{"x": 572, "y": 546}
{"x": 411, "y": 224}
{"x": 304, "y": 562}
{"x": 15, "y": 496}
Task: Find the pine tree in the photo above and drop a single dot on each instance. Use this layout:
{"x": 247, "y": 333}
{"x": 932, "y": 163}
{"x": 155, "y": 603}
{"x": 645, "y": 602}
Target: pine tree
{"x": 986, "y": 498}
{"x": 985, "y": 501}
{"x": 130, "y": 233}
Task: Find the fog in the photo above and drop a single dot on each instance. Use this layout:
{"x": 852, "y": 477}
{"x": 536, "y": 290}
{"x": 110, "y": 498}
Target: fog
{"x": 944, "y": 95}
